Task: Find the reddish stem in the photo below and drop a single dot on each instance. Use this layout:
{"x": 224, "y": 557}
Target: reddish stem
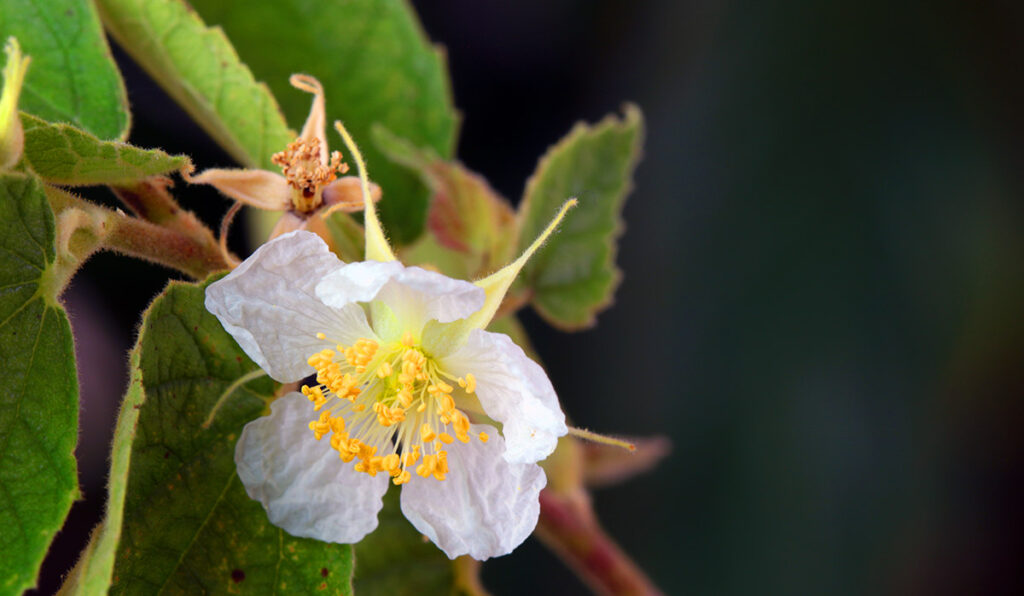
{"x": 569, "y": 527}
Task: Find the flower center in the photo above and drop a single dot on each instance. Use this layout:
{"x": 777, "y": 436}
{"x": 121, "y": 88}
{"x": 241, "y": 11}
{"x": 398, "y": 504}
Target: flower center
{"x": 306, "y": 173}
{"x": 402, "y": 410}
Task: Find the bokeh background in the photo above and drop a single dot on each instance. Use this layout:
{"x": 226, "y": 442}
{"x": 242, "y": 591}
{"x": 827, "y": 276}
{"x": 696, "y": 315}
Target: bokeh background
{"x": 822, "y": 301}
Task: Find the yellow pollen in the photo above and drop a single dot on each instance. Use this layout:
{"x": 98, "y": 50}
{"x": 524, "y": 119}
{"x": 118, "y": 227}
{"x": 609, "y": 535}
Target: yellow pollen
{"x": 484, "y": 437}
{"x": 322, "y": 426}
{"x": 388, "y": 386}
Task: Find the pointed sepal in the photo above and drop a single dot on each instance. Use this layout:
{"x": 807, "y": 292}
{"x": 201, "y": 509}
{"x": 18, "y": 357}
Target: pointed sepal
{"x": 377, "y": 247}
{"x": 496, "y": 285}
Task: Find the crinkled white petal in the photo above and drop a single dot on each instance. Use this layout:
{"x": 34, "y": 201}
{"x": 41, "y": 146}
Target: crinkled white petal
{"x": 269, "y": 305}
{"x": 514, "y": 390}
{"x": 485, "y": 507}
{"x": 303, "y": 485}
{"x": 414, "y": 295}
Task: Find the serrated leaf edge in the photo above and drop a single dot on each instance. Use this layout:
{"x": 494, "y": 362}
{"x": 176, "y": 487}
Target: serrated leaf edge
{"x": 631, "y": 115}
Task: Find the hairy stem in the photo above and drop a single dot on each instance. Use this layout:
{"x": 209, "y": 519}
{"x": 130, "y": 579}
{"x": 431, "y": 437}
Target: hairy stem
{"x": 152, "y": 201}
{"x": 569, "y": 527}
{"x": 196, "y": 255}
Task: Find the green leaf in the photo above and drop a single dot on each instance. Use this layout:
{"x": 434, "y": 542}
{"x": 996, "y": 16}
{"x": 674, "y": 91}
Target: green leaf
{"x": 63, "y": 154}
{"x": 189, "y": 527}
{"x": 466, "y": 215}
{"x": 395, "y": 559}
{"x": 39, "y": 392}
{"x": 200, "y": 69}
{"x": 72, "y": 77}
{"x": 573, "y": 277}
{"x": 376, "y": 66}
{"x": 93, "y": 572}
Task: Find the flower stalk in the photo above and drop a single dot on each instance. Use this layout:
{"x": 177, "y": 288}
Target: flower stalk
{"x": 84, "y": 228}
{"x": 569, "y": 527}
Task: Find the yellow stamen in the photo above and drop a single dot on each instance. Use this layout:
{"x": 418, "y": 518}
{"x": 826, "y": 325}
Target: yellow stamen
{"x": 389, "y": 381}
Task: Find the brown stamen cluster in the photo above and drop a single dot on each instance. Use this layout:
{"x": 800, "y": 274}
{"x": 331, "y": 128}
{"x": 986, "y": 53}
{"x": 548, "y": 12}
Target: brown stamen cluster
{"x": 306, "y": 173}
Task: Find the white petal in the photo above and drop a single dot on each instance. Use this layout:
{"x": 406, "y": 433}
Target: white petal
{"x": 303, "y": 485}
{"x": 414, "y": 295}
{"x": 513, "y": 390}
{"x": 484, "y": 508}
{"x": 269, "y": 305}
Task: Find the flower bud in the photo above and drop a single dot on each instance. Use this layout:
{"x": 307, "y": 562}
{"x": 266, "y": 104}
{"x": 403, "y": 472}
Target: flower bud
{"x": 12, "y": 137}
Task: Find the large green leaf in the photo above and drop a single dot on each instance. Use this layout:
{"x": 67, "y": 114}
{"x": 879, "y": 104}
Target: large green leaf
{"x": 38, "y": 387}
{"x": 396, "y": 560}
{"x": 573, "y": 276}
{"x": 376, "y": 66}
{"x": 63, "y": 154}
{"x": 189, "y": 527}
{"x": 72, "y": 77}
{"x": 200, "y": 69}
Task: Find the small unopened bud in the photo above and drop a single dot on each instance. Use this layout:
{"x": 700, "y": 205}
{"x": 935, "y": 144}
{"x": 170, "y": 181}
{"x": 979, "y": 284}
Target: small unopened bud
{"x": 12, "y": 137}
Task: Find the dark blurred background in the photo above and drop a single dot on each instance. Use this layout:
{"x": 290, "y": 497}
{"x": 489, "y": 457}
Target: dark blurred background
{"x": 824, "y": 281}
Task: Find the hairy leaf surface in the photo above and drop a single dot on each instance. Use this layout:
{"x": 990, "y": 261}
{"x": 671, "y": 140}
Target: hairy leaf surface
{"x": 39, "y": 389}
{"x": 63, "y": 154}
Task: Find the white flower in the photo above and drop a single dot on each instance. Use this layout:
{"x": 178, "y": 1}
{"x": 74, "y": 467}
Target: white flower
{"x": 408, "y": 388}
